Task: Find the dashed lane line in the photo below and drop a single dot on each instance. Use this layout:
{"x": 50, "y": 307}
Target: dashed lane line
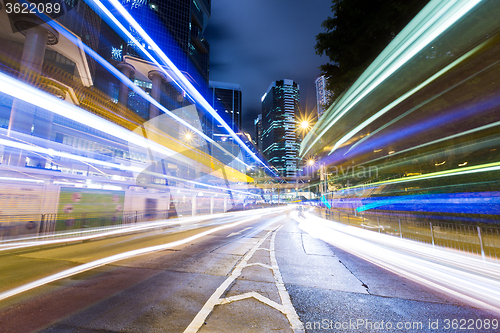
{"x": 292, "y": 316}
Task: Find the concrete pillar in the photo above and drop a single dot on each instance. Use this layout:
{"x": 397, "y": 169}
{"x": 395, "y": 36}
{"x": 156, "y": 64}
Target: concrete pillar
{"x": 225, "y": 204}
{"x": 33, "y": 52}
{"x": 128, "y": 70}
{"x": 211, "y": 205}
{"x": 37, "y": 38}
{"x": 157, "y": 78}
{"x": 22, "y": 115}
{"x": 193, "y": 208}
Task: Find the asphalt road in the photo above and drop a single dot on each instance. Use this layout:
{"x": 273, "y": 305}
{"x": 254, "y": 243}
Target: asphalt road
{"x": 264, "y": 274}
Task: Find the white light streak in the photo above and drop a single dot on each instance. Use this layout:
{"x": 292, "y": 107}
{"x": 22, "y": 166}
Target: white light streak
{"x": 31, "y": 95}
{"x": 131, "y": 85}
{"x": 130, "y": 254}
{"x": 27, "y": 147}
{"x": 431, "y": 22}
{"x": 463, "y": 276}
{"x": 177, "y": 76}
{"x": 22, "y": 179}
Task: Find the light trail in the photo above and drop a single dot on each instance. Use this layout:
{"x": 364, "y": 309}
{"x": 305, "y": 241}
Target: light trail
{"x": 431, "y": 22}
{"x": 87, "y": 160}
{"x": 93, "y": 233}
{"x": 400, "y": 63}
{"x": 471, "y": 131}
{"x": 462, "y": 113}
{"x": 177, "y": 76}
{"x": 465, "y": 277}
{"x": 31, "y": 95}
{"x": 468, "y": 202}
{"x": 111, "y": 259}
{"x": 110, "y": 68}
{"x": 22, "y": 179}
{"x": 410, "y": 93}
{"x": 446, "y": 173}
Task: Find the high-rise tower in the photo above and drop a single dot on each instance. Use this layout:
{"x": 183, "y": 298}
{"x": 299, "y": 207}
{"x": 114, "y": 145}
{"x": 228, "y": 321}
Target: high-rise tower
{"x": 225, "y": 98}
{"x": 280, "y": 108}
{"x": 177, "y": 27}
{"x": 258, "y": 131}
{"x": 322, "y": 94}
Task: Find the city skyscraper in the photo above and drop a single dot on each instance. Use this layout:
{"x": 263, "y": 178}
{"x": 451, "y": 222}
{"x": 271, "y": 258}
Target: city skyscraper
{"x": 88, "y": 117}
{"x": 177, "y": 27}
{"x": 322, "y": 94}
{"x": 225, "y": 98}
{"x": 280, "y": 108}
{"x": 82, "y": 79}
{"x": 258, "y": 131}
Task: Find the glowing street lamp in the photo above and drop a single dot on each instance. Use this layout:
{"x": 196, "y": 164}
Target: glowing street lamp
{"x": 304, "y": 124}
{"x": 188, "y": 136}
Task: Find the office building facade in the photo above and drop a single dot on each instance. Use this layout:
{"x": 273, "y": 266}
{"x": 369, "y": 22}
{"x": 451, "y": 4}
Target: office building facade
{"x": 258, "y": 132}
{"x": 177, "y": 27}
{"x": 280, "y": 109}
{"x": 226, "y": 99}
{"x": 322, "y": 95}
{"x": 91, "y": 130}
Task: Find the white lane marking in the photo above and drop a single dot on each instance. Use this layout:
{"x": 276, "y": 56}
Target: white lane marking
{"x": 292, "y": 316}
{"x": 239, "y": 232}
{"x": 257, "y": 296}
{"x": 114, "y": 258}
{"x": 199, "y": 319}
{"x": 261, "y": 248}
{"x": 260, "y": 264}
{"x": 286, "y": 308}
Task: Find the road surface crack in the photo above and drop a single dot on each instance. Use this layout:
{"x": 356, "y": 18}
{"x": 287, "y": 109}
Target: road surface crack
{"x": 364, "y": 285}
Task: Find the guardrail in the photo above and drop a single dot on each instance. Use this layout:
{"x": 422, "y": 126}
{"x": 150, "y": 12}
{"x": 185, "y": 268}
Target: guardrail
{"x": 477, "y": 239}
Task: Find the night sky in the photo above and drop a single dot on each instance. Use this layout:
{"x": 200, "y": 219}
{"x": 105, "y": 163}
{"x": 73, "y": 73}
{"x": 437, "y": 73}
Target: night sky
{"x": 255, "y": 42}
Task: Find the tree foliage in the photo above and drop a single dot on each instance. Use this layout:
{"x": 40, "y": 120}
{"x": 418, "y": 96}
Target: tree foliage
{"x": 356, "y": 34}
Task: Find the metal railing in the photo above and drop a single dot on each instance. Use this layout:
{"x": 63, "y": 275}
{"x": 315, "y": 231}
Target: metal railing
{"x": 483, "y": 240}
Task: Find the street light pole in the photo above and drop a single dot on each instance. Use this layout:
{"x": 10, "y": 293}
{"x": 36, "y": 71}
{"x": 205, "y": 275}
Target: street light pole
{"x": 322, "y": 180}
